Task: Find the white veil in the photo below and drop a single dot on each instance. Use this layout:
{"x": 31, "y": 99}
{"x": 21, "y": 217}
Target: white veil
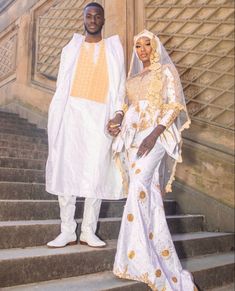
{"x": 136, "y": 66}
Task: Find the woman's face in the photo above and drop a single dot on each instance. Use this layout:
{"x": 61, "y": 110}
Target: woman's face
{"x": 143, "y": 49}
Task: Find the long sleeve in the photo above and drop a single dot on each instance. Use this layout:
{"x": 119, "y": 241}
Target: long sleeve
{"x": 170, "y": 110}
{"x": 61, "y": 71}
{"x": 122, "y": 78}
{"x": 121, "y": 90}
{"x": 56, "y": 106}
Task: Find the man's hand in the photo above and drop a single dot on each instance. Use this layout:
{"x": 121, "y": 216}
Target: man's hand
{"x": 114, "y": 125}
{"x": 149, "y": 142}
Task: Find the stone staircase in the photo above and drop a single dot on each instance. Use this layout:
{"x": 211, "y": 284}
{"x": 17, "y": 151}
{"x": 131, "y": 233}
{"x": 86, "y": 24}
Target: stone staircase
{"x": 29, "y": 218}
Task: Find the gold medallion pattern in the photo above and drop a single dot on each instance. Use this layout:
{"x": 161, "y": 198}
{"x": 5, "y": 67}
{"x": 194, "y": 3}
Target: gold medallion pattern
{"x": 165, "y": 253}
{"x": 131, "y": 255}
{"x": 158, "y": 273}
{"x": 142, "y": 195}
{"x": 130, "y": 217}
{"x": 133, "y": 165}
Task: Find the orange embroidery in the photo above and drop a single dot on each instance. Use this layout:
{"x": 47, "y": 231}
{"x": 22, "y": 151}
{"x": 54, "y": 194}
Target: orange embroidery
{"x": 131, "y": 255}
{"x": 165, "y": 253}
{"x": 142, "y": 195}
{"x": 174, "y": 279}
{"x": 151, "y": 236}
{"x": 133, "y": 165}
{"x": 130, "y": 217}
{"x": 137, "y": 171}
{"x": 158, "y": 273}
{"x": 88, "y": 72}
{"x": 134, "y": 125}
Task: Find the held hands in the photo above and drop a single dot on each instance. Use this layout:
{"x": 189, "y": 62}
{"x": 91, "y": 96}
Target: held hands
{"x": 114, "y": 125}
{"x": 149, "y": 142}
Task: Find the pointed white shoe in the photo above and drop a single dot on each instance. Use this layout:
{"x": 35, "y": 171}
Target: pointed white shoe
{"x": 62, "y": 240}
{"x": 90, "y": 239}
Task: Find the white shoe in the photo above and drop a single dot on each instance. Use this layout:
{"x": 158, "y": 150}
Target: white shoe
{"x": 90, "y": 239}
{"x": 62, "y": 240}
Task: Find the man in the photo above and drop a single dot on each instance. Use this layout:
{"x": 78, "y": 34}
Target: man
{"x": 90, "y": 91}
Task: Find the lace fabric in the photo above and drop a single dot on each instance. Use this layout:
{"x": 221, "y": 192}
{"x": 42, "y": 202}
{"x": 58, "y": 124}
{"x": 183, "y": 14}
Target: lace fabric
{"x": 163, "y": 73}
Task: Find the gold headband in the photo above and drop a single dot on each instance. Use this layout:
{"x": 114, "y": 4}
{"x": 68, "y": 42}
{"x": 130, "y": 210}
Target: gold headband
{"x": 151, "y": 36}
{"x": 144, "y": 33}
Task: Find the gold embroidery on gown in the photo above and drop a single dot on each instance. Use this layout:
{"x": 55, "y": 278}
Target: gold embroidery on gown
{"x": 136, "y": 87}
{"x": 90, "y": 79}
{"x": 137, "y": 90}
{"x": 153, "y": 99}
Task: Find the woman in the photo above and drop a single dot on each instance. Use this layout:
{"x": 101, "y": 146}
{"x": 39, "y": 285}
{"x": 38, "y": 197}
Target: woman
{"x": 150, "y": 138}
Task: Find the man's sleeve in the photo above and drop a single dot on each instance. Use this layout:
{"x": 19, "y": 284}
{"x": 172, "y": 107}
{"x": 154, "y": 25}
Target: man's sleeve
{"x": 60, "y": 75}
{"x": 121, "y": 90}
{"x": 122, "y": 78}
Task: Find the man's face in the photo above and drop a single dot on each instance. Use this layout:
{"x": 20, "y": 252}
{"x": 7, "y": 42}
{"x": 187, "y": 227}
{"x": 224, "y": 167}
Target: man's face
{"x": 93, "y": 20}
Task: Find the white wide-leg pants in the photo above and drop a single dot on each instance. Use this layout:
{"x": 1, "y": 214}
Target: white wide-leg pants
{"x": 90, "y": 214}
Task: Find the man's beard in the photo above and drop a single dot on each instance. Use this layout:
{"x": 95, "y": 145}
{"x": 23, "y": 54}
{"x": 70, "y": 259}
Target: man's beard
{"x": 93, "y": 32}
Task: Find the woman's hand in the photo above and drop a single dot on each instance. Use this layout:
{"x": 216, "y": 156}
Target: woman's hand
{"x": 114, "y": 125}
{"x": 146, "y": 145}
{"x": 149, "y": 142}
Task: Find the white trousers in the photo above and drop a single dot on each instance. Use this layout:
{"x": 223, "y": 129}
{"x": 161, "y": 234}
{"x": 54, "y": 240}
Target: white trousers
{"x": 90, "y": 214}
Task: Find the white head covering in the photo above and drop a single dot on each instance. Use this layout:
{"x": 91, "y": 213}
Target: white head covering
{"x": 160, "y": 59}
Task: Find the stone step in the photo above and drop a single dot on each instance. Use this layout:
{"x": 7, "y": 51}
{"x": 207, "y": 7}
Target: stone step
{"x": 11, "y": 116}
{"x": 203, "y": 243}
{"x": 8, "y": 114}
{"x": 21, "y": 234}
{"x": 21, "y": 153}
{"x": 49, "y": 209}
{"x": 36, "y": 132}
{"x": 104, "y": 281}
{"x": 19, "y": 126}
{"x": 22, "y": 163}
{"x": 14, "y": 120}
{"x": 23, "y": 145}
{"x": 211, "y": 271}
{"x": 22, "y": 175}
{"x": 22, "y": 266}
{"x": 25, "y": 191}
{"x": 229, "y": 287}
{"x": 23, "y": 138}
